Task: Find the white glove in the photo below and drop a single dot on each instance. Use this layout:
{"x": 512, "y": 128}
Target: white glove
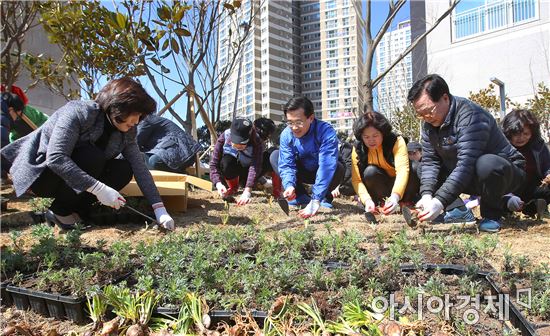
{"x": 107, "y": 195}
{"x": 221, "y": 189}
{"x": 391, "y": 204}
{"x": 514, "y": 203}
{"x": 245, "y": 197}
{"x": 336, "y": 192}
{"x": 421, "y": 205}
{"x": 431, "y": 210}
{"x": 289, "y": 193}
{"x": 311, "y": 209}
{"x": 164, "y": 218}
{"x": 369, "y": 205}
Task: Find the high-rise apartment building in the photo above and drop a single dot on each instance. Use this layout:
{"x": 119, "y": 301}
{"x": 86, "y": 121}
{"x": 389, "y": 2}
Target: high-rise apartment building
{"x": 312, "y": 48}
{"x": 393, "y": 89}
{"x": 269, "y": 62}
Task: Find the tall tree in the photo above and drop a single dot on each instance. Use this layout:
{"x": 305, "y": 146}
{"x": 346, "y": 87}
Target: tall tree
{"x": 372, "y": 43}
{"x": 16, "y": 18}
{"x": 96, "y": 44}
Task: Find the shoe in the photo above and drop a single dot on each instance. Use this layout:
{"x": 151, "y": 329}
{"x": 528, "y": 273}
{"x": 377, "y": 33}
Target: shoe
{"x": 277, "y": 185}
{"x": 325, "y": 203}
{"x": 51, "y": 219}
{"x": 459, "y": 216}
{"x": 489, "y": 225}
{"x": 439, "y": 219}
{"x": 232, "y": 189}
{"x": 302, "y": 199}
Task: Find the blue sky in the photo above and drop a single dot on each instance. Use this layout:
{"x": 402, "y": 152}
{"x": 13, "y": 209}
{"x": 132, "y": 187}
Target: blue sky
{"x": 378, "y": 16}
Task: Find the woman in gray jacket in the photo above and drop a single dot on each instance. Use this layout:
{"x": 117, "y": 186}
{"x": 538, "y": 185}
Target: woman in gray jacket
{"x": 73, "y": 156}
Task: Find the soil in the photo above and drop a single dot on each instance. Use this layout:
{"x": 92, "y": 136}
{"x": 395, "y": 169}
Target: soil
{"x": 520, "y": 236}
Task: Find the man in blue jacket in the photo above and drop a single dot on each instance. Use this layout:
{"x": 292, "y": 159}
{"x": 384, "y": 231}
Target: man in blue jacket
{"x": 308, "y": 153}
{"x": 463, "y": 151}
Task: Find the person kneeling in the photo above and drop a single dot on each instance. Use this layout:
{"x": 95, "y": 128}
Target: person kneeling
{"x": 237, "y": 157}
{"x": 380, "y": 165}
{"x": 73, "y": 156}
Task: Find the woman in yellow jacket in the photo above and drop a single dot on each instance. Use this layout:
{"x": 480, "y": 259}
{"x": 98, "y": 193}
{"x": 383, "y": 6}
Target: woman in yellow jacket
{"x": 380, "y": 165}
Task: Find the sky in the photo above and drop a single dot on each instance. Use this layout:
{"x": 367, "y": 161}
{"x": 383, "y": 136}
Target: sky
{"x": 379, "y": 13}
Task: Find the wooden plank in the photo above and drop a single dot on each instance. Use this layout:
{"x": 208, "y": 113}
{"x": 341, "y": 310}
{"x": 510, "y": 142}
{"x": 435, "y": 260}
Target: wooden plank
{"x": 198, "y": 182}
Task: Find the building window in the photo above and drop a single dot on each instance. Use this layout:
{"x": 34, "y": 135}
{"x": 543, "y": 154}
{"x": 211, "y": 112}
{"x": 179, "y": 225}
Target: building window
{"x": 491, "y": 16}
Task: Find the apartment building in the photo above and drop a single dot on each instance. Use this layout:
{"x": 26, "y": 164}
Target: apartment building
{"x": 312, "y": 48}
{"x": 393, "y": 89}
{"x": 506, "y": 39}
{"x": 267, "y": 72}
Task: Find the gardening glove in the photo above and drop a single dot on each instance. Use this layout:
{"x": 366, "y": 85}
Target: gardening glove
{"x": 222, "y": 190}
{"x": 311, "y": 209}
{"x": 421, "y": 205}
{"x": 514, "y": 203}
{"x": 245, "y": 197}
{"x": 391, "y": 204}
{"x": 336, "y": 192}
{"x": 289, "y": 193}
{"x": 163, "y": 217}
{"x": 107, "y": 195}
{"x": 370, "y": 206}
{"x": 431, "y": 210}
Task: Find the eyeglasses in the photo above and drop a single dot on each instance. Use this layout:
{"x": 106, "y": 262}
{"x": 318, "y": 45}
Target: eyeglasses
{"x": 292, "y": 124}
{"x": 422, "y": 115}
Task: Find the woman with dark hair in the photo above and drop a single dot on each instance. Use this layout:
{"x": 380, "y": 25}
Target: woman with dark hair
{"x": 380, "y": 165}
{"x": 522, "y": 129}
{"x": 73, "y": 157}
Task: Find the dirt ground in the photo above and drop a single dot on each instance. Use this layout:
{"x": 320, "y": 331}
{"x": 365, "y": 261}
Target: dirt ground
{"x": 521, "y": 236}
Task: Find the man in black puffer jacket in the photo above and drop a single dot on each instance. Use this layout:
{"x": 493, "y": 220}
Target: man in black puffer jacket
{"x": 464, "y": 151}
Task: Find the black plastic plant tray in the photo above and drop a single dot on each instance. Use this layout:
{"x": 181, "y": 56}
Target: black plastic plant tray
{"x": 216, "y": 316}
{"x": 5, "y": 296}
{"x": 57, "y": 306}
{"x": 516, "y": 317}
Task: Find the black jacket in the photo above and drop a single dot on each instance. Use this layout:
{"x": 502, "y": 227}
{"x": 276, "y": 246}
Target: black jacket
{"x": 160, "y": 136}
{"x": 541, "y": 153}
{"x": 451, "y": 150}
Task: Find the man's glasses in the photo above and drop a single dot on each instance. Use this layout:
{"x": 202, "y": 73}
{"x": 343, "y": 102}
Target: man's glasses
{"x": 422, "y": 115}
{"x": 292, "y": 124}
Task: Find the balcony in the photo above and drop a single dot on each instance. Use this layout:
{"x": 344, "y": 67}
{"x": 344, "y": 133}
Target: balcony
{"x": 493, "y": 16}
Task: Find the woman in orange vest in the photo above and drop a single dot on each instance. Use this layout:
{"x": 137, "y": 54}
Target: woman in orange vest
{"x": 381, "y": 172}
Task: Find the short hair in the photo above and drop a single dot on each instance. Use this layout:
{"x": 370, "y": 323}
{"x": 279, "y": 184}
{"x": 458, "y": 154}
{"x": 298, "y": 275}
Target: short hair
{"x": 264, "y": 127}
{"x": 372, "y": 119}
{"x": 299, "y": 102}
{"x": 514, "y": 122}
{"x": 124, "y": 96}
{"x": 434, "y": 85}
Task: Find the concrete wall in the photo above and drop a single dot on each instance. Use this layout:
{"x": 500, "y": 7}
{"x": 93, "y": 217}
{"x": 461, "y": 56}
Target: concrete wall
{"x": 519, "y": 55}
{"x": 40, "y": 96}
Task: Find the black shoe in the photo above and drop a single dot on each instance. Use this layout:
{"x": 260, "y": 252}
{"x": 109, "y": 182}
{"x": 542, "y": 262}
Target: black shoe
{"x": 51, "y": 219}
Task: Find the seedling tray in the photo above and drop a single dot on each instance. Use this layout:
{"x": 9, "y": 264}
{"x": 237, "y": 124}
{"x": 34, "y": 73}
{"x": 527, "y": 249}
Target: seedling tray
{"x": 6, "y": 299}
{"x": 216, "y": 316}
{"x": 52, "y": 305}
{"x": 516, "y": 317}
